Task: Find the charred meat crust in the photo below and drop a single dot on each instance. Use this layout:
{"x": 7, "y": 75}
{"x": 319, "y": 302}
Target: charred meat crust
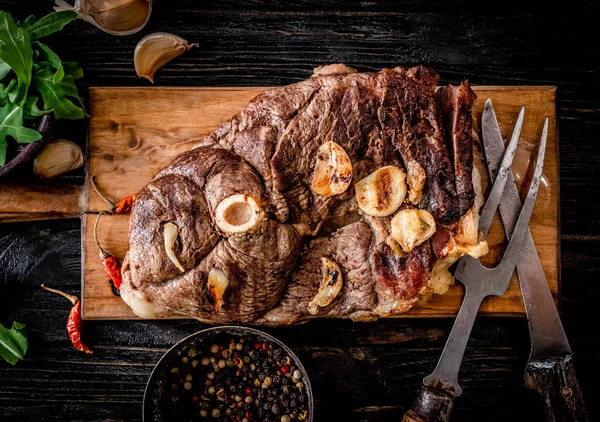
{"x": 455, "y": 104}
{"x": 267, "y": 152}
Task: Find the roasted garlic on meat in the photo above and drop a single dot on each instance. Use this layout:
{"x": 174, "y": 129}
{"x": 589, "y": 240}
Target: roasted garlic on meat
{"x": 415, "y": 177}
{"x": 411, "y": 227}
{"x": 382, "y": 192}
{"x": 237, "y": 214}
{"x": 170, "y": 234}
{"x": 333, "y": 170}
{"x": 216, "y": 286}
{"x": 331, "y": 284}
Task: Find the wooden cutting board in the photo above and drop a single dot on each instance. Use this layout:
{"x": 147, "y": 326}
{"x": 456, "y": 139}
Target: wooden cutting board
{"x": 134, "y": 132}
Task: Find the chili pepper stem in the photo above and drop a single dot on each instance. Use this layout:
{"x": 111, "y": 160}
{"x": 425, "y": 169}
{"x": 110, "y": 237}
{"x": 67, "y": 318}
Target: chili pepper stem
{"x": 110, "y": 203}
{"x": 73, "y": 299}
{"x": 102, "y": 252}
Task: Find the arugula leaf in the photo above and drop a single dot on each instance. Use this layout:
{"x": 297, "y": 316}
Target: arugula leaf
{"x": 31, "y": 109}
{"x": 4, "y": 70}
{"x": 59, "y": 96}
{"x": 11, "y": 124}
{"x": 73, "y": 69}
{"x": 13, "y": 342}
{"x": 16, "y": 51}
{"x": 49, "y": 56}
{"x": 48, "y": 25}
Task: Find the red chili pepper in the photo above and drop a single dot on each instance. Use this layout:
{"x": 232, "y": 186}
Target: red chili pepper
{"x": 195, "y": 399}
{"x": 111, "y": 263}
{"x": 74, "y": 321}
{"x": 248, "y": 390}
{"x": 121, "y": 207}
{"x": 284, "y": 369}
{"x": 124, "y": 205}
{"x": 257, "y": 346}
{"x": 265, "y": 346}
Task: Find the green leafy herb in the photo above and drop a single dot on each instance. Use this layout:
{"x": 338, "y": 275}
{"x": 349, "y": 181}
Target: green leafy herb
{"x": 28, "y": 65}
{"x": 31, "y": 109}
{"x": 59, "y": 96}
{"x": 13, "y": 342}
{"x": 4, "y": 70}
{"x": 16, "y": 51}
{"x": 11, "y": 124}
{"x": 49, "y": 24}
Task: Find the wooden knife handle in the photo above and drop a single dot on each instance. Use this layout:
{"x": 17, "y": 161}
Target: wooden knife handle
{"x": 430, "y": 406}
{"x": 555, "y": 380}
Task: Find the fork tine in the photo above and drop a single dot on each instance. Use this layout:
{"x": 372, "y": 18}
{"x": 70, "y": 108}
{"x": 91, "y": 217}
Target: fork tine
{"x": 513, "y": 250}
{"x": 491, "y": 205}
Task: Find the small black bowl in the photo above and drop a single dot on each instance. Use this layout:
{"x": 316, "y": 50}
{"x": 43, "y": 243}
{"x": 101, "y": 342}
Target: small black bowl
{"x": 155, "y": 389}
{"x": 29, "y": 151}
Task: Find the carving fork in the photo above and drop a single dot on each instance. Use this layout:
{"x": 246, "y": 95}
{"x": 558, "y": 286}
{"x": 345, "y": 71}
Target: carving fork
{"x": 435, "y": 400}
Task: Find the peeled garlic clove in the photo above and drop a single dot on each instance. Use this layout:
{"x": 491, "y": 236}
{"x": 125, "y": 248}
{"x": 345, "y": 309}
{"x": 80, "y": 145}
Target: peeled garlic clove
{"x": 415, "y": 177}
{"x": 170, "y": 234}
{"x": 382, "y": 192}
{"x": 155, "y": 50}
{"x": 216, "y": 286}
{"x": 238, "y": 214}
{"x": 116, "y": 17}
{"x": 331, "y": 284}
{"x": 58, "y": 157}
{"x": 333, "y": 170}
{"x": 412, "y": 227}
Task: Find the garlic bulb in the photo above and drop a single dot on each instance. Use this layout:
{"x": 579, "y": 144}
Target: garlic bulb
{"x": 58, "y": 157}
{"x": 116, "y": 17}
{"x": 155, "y": 50}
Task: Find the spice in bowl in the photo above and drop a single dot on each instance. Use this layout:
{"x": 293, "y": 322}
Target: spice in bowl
{"x": 235, "y": 378}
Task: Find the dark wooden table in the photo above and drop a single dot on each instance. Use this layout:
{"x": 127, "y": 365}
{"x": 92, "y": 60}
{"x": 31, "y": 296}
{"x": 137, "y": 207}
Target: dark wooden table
{"x": 360, "y": 372}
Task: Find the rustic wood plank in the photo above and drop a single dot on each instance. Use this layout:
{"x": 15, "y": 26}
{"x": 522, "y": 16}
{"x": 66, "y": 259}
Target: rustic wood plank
{"x": 134, "y": 132}
{"x": 39, "y": 201}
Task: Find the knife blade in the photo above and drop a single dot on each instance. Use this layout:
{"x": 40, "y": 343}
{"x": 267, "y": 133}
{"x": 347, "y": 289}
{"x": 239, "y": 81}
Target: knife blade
{"x": 550, "y": 369}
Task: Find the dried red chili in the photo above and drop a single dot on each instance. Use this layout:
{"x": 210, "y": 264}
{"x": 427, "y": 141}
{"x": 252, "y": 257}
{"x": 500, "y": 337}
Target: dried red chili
{"x": 74, "y": 321}
{"x": 121, "y": 207}
{"x": 111, "y": 264}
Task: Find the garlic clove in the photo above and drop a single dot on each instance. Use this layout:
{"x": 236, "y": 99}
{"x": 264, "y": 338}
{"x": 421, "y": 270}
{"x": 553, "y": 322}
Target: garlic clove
{"x": 412, "y": 227}
{"x": 382, "y": 192}
{"x": 116, "y": 17}
{"x": 58, "y": 157}
{"x": 216, "y": 286}
{"x": 333, "y": 170}
{"x": 170, "y": 235}
{"x": 238, "y": 214}
{"x": 415, "y": 177}
{"x": 331, "y": 284}
{"x": 155, "y": 50}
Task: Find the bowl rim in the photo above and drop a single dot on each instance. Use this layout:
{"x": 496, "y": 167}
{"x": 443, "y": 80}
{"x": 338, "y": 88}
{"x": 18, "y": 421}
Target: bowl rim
{"x": 236, "y": 330}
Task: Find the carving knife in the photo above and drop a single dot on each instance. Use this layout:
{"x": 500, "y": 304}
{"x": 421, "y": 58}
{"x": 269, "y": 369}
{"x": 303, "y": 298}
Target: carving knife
{"x": 550, "y": 370}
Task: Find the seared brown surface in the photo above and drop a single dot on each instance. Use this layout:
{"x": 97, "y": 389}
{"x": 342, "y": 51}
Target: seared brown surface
{"x": 277, "y": 136}
{"x": 160, "y": 129}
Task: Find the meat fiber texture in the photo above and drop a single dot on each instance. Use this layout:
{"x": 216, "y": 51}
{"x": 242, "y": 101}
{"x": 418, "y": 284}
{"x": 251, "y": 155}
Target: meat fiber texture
{"x": 267, "y": 153}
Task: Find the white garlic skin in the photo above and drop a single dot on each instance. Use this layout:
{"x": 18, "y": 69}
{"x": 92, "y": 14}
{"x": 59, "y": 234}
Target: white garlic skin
{"x": 115, "y": 17}
{"x": 56, "y": 158}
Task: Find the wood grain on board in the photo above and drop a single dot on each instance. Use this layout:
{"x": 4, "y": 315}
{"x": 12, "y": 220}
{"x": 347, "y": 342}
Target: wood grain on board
{"x": 39, "y": 201}
{"x": 134, "y": 132}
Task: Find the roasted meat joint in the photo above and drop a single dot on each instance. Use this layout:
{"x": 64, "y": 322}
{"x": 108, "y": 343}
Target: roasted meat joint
{"x": 347, "y": 195}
